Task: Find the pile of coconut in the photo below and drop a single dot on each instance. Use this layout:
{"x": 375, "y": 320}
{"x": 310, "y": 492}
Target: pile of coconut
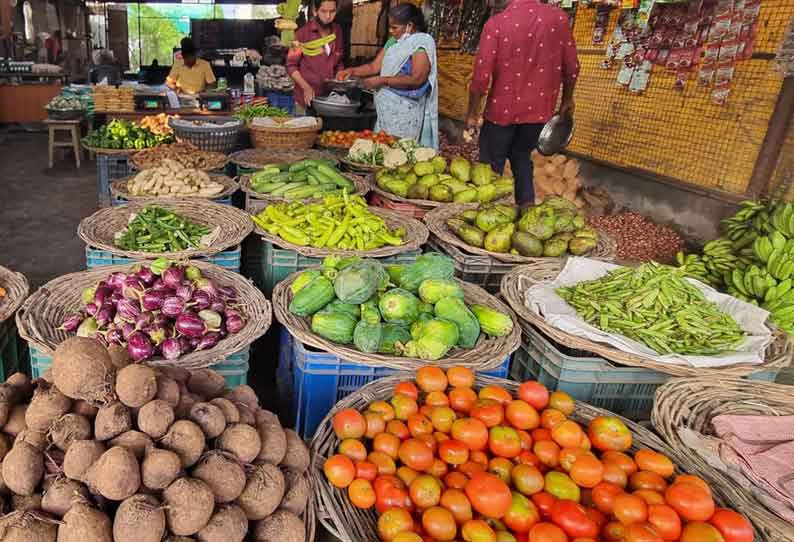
{"x": 102, "y": 450}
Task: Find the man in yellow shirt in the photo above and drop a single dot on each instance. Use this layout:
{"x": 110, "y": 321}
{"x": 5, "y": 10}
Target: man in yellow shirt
{"x": 192, "y": 75}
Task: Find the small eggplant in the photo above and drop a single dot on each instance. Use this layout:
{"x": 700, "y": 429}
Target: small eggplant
{"x": 193, "y": 273}
{"x": 127, "y": 330}
{"x": 102, "y": 294}
{"x": 116, "y": 280}
{"x": 190, "y": 325}
{"x": 227, "y": 293}
{"x": 144, "y": 319}
{"x": 206, "y": 285}
{"x": 139, "y": 346}
{"x": 104, "y": 315}
{"x": 171, "y": 348}
{"x": 133, "y": 288}
{"x": 234, "y": 322}
{"x": 88, "y": 328}
{"x": 172, "y": 306}
{"x": 71, "y": 322}
{"x": 128, "y": 309}
{"x": 184, "y": 292}
{"x": 173, "y": 276}
{"x": 202, "y": 300}
{"x": 208, "y": 340}
{"x": 211, "y": 318}
{"x": 218, "y": 306}
{"x": 146, "y": 276}
{"x": 153, "y": 300}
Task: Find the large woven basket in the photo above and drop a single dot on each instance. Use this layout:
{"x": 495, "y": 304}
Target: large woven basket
{"x": 519, "y": 279}
{"x": 259, "y": 158}
{"x": 353, "y": 524}
{"x": 186, "y": 154}
{"x": 489, "y": 352}
{"x": 228, "y": 225}
{"x": 279, "y": 137}
{"x": 415, "y": 236}
{"x": 40, "y": 316}
{"x": 436, "y": 221}
{"x": 217, "y": 134}
{"x": 17, "y": 289}
{"x": 361, "y": 185}
{"x": 118, "y": 189}
{"x": 690, "y": 404}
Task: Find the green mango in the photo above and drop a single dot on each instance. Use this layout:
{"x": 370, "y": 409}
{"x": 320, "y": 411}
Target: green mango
{"x": 441, "y": 193}
{"x": 526, "y": 245}
{"x": 498, "y": 239}
{"x": 466, "y": 196}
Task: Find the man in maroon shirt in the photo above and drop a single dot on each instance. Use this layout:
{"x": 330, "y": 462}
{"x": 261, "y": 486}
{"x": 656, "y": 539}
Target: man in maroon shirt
{"x": 526, "y": 53}
{"x": 310, "y": 72}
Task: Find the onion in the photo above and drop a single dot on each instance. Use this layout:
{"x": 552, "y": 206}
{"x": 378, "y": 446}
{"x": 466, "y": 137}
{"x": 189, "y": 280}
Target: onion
{"x": 209, "y": 340}
{"x": 172, "y": 348}
{"x": 202, "y": 299}
{"x": 211, "y": 318}
{"x": 146, "y": 276}
{"x": 152, "y": 300}
{"x": 128, "y": 309}
{"x": 173, "y": 277}
{"x": 71, "y": 322}
{"x": 173, "y": 306}
{"x": 234, "y": 322}
{"x": 184, "y": 292}
{"x": 139, "y": 346}
{"x": 190, "y": 325}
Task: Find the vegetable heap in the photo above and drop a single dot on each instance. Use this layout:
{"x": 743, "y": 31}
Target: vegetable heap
{"x": 416, "y": 310}
{"x": 465, "y": 183}
{"x": 457, "y": 461}
{"x": 250, "y": 112}
{"x": 144, "y": 455}
{"x": 655, "y": 305}
{"x": 154, "y": 229}
{"x": 338, "y": 221}
{"x": 158, "y": 124}
{"x": 3, "y": 292}
{"x": 334, "y": 138}
{"x": 185, "y": 154}
{"x": 122, "y": 134}
{"x": 370, "y": 152}
{"x": 550, "y": 229}
{"x": 163, "y": 309}
{"x": 301, "y": 180}
{"x": 173, "y": 180}
{"x": 64, "y": 103}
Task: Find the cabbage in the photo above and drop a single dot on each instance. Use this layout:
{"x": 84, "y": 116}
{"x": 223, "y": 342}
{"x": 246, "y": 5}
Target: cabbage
{"x": 424, "y": 154}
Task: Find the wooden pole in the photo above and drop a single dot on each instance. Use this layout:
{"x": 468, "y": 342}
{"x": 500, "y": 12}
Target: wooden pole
{"x": 773, "y": 141}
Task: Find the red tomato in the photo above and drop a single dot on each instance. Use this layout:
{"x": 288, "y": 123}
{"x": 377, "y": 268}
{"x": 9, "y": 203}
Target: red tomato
{"x": 393, "y": 522}
{"x": 645, "y": 479}
{"x": 545, "y": 502}
{"x": 534, "y": 393}
{"x": 608, "y": 433}
{"x": 587, "y": 471}
{"x": 655, "y": 462}
{"x": 488, "y": 495}
{"x": 439, "y": 524}
{"x": 572, "y": 518}
{"x": 430, "y": 378}
{"x": 527, "y": 479}
{"x": 522, "y": 415}
{"x": 471, "y": 432}
{"x": 404, "y": 406}
{"x": 629, "y": 509}
{"x": 500, "y": 395}
{"x": 453, "y": 452}
{"x": 698, "y": 531}
{"x": 504, "y": 441}
{"x": 604, "y": 496}
{"x": 488, "y": 411}
{"x": 614, "y": 531}
{"x": 416, "y": 454}
{"x": 366, "y": 470}
{"x": 462, "y": 399}
{"x": 547, "y": 532}
{"x": 392, "y": 497}
{"x": 349, "y": 423}
{"x": 477, "y": 530}
{"x": 666, "y": 521}
{"x": 692, "y": 502}
{"x": 456, "y": 502}
{"x": 521, "y": 515}
{"x": 642, "y": 532}
{"x": 418, "y": 424}
{"x": 425, "y": 491}
{"x": 407, "y": 388}
{"x": 361, "y": 493}
{"x": 733, "y": 526}
{"x": 622, "y": 460}
{"x": 398, "y": 429}
{"x": 339, "y": 470}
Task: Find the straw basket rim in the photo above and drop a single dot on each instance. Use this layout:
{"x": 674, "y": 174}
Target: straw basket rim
{"x": 219, "y": 160}
{"x": 100, "y": 150}
{"x": 357, "y": 167}
{"x": 42, "y": 312}
{"x": 17, "y": 289}
{"x": 341, "y": 518}
{"x": 416, "y": 235}
{"x": 513, "y": 285}
{"x": 231, "y": 224}
{"x": 259, "y": 158}
{"x": 692, "y": 403}
{"x": 118, "y": 189}
{"x": 361, "y": 184}
{"x": 605, "y": 249}
{"x": 487, "y": 354}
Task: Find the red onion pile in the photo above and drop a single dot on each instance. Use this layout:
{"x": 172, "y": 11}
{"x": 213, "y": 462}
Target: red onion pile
{"x": 161, "y": 310}
{"x": 470, "y": 151}
{"x": 638, "y": 238}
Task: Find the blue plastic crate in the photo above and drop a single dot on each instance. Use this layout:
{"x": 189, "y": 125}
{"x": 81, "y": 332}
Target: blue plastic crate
{"x": 229, "y": 259}
{"x": 282, "y": 100}
{"x": 110, "y": 167}
{"x": 226, "y": 200}
{"x": 315, "y": 381}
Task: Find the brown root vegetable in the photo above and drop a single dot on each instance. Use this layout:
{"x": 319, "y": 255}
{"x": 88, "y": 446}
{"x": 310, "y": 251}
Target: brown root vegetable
{"x": 228, "y": 408}
{"x": 263, "y": 492}
{"x": 16, "y": 421}
{"x": 61, "y": 494}
{"x": 80, "y": 456}
{"x": 119, "y": 356}
{"x": 84, "y": 408}
{"x": 186, "y": 402}
{"x": 207, "y": 383}
{"x": 155, "y": 417}
{"x": 274, "y": 440}
{"x": 244, "y": 394}
{"x": 228, "y": 524}
{"x": 210, "y": 418}
{"x": 282, "y": 526}
{"x": 23, "y": 468}
{"x": 112, "y": 420}
{"x": 136, "y": 385}
{"x": 5, "y": 412}
{"x": 222, "y": 473}
{"x": 139, "y": 519}
{"x": 297, "y": 455}
{"x": 298, "y": 491}
{"x": 83, "y": 523}
{"x": 116, "y": 475}
{"x": 168, "y": 390}
{"x": 48, "y": 404}
{"x": 82, "y": 369}
{"x": 26, "y": 527}
{"x": 160, "y": 468}
{"x": 53, "y": 461}
{"x": 23, "y": 387}
{"x": 69, "y": 428}
{"x": 247, "y": 416}
{"x": 174, "y": 538}
{"x": 190, "y": 504}
{"x": 48, "y": 376}
{"x": 176, "y": 373}
{"x": 26, "y": 503}
{"x": 241, "y": 440}
{"x": 186, "y": 439}
{"x": 135, "y": 441}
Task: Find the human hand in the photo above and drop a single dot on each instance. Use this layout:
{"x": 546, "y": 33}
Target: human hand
{"x": 373, "y": 83}
{"x": 473, "y": 122}
{"x": 344, "y": 75}
{"x": 308, "y": 94}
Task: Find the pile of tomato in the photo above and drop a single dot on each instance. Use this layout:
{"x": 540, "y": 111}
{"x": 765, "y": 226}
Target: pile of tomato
{"x": 334, "y": 138}
{"x": 442, "y": 462}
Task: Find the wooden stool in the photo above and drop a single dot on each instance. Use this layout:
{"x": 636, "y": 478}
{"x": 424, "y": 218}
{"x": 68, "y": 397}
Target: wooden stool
{"x": 70, "y": 126}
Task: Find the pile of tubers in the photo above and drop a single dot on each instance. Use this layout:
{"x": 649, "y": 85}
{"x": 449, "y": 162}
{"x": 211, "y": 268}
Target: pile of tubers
{"x": 172, "y": 179}
{"x": 102, "y": 450}
{"x": 557, "y": 175}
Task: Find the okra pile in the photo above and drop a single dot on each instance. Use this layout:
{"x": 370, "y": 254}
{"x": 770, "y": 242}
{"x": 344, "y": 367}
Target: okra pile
{"x": 338, "y": 221}
{"x": 155, "y": 229}
{"x": 653, "y": 304}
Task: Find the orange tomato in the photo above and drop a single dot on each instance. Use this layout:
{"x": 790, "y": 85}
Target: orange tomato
{"x": 430, "y": 378}
{"x": 393, "y": 522}
{"x": 501, "y": 467}
{"x": 615, "y": 475}
{"x": 544, "y": 501}
{"x": 460, "y": 377}
{"x": 521, "y": 515}
{"x": 440, "y": 437}
{"x": 692, "y": 479}
{"x": 469, "y": 468}
{"x": 603, "y": 496}
{"x": 504, "y": 441}
{"x": 541, "y": 433}
{"x": 650, "y": 496}
{"x": 453, "y": 452}
{"x": 366, "y": 470}
{"x": 439, "y": 523}
{"x": 407, "y": 536}
{"x": 572, "y": 518}
{"x": 698, "y": 531}
{"x": 629, "y": 509}
{"x": 691, "y": 501}
{"x": 548, "y": 452}
{"x": 528, "y": 458}
{"x": 534, "y": 394}
{"x": 407, "y": 475}
{"x": 666, "y": 522}
{"x": 458, "y": 504}
{"x": 488, "y": 495}
{"x": 622, "y": 460}
{"x": 551, "y": 417}
{"x": 375, "y": 424}
{"x": 500, "y": 395}
{"x": 614, "y": 531}
{"x": 567, "y": 434}
{"x": 407, "y": 388}
{"x": 546, "y": 532}
{"x": 522, "y": 415}
{"x": 339, "y": 470}
{"x": 527, "y": 479}
{"x": 587, "y": 471}
{"x": 425, "y": 491}
{"x": 568, "y": 457}
{"x": 526, "y": 439}
{"x": 733, "y": 526}
{"x": 462, "y": 399}
{"x": 361, "y": 493}
{"x": 426, "y": 410}
{"x": 480, "y": 457}
{"x": 476, "y": 530}
{"x": 642, "y": 532}
{"x": 437, "y": 399}
{"x": 430, "y": 441}
{"x": 383, "y": 461}
{"x": 353, "y": 448}
{"x": 398, "y": 429}
{"x": 415, "y": 454}
{"x": 391, "y": 497}
{"x": 404, "y": 406}
{"x": 562, "y": 401}
{"x": 349, "y": 423}
{"x": 609, "y": 433}
{"x": 386, "y": 443}
{"x": 455, "y": 480}
{"x": 645, "y": 479}
{"x": 439, "y": 469}
{"x": 383, "y": 408}
{"x": 654, "y": 462}
{"x": 471, "y": 432}
{"x": 488, "y": 411}
{"x": 419, "y": 424}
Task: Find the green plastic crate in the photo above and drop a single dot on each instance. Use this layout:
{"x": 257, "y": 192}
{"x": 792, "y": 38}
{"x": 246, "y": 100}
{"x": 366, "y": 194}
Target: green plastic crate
{"x": 9, "y": 350}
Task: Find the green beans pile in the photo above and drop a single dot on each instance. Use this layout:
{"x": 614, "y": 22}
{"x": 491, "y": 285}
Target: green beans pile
{"x": 654, "y": 305}
{"x": 158, "y": 230}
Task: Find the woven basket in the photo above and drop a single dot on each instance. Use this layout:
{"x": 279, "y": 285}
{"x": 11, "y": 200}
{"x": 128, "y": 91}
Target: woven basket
{"x": 362, "y": 187}
{"x": 415, "y": 236}
{"x": 436, "y": 220}
{"x": 111, "y": 152}
{"x": 40, "y": 316}
{"x": 357, "y": 167}
{"x": 118, "y": 189}
{"x": 489, "y": 352}
{"x": 211, "y": 136}
{"x": 349, "y": 523}
{"x": 691, "y": 404}
{"x": 229, "y": 224}
{"x": 259, "y": 158}
{"x": 17, "y": 289}
{"x": 186, "y": 154}
{"x": 518, "y": 280}
{"x": 277, "y": 137}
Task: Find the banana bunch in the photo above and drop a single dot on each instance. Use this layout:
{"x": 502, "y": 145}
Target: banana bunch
{"x": 286, "y": 24}
{"x": 782, "y": 219}
{"x": 747, "y": 224}
{"x": 777, "y": 253}
{"x": 694, "y": 266}
{"x": 717, "y": 259}
{"x": 751, "y": 284}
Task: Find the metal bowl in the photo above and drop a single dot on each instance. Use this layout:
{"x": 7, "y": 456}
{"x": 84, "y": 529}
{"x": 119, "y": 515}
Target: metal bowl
{"x": 342, "y": 86}
{"x": 326, "y": 108}
{"x": 555, "y": 135}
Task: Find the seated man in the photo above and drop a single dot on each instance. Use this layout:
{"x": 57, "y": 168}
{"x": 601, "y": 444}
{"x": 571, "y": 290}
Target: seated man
{"x": 193, "y": 75}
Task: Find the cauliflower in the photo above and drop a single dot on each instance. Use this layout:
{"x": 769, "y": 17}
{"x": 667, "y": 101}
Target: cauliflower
{"x": 394, "y": 157}
{"x": 424, "y": 154}
{"x": 407, "y": 144}
{"x": 362, "y": 150}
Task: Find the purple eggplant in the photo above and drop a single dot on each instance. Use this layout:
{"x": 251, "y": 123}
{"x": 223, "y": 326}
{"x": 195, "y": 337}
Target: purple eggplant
{"x": 211, "y": 318}
{"x": 127, "y": 330}
{"x": 234, "y": 322}
{"x": 206, "y": 285}
{"x": 173, "y": 276}
{"x": 193, "y": 273}
{"x": 152, "y": 300}
{"x": 102, "y": 294}
{"x": 161, "y": 319}
{"x": 190, "y": 325}
{"x": 114, "y": 336}
{"x": 128, "y": 309}
{"x": 194, "y": 341}
{"x": 184, "y": 344}
{"x": 116, "y": 280}
{"x": 116, "y": 296}
{"x": 218, "y": 306}
{"x": 144, "y": 319}
{"x": 184, "y": 292}
{"x": 227, "y": 293}
{"x": 208, "y": 340}
{"x": 158, "y": 285}
{"x": 171, "y": 348}
{"x": 71, "y": 322}
{"x": 202, "y": 300}
{"x": 133, "y": 288}
{"x": 146, "y": 276}
{"x": 173, "y": 306}
{"x": 104, "y": 315}
{"x": 139, "y": 346}
{"x": 91, "y": 308}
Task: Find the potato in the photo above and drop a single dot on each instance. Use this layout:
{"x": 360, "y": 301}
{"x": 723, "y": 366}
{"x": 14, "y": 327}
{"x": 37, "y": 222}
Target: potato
{"x": 207, "y": 383}
{"x": 135, "y": 441}
{"x": 23, "y": 468}
{"x": 34, "y": 438}
{"x": 228, "y": 408}
{"x": 80, "y": 456}
{"x": 210, "y": 418}
{"x": 186, "y": 439}
{"x": 112, "y": 420}
{"x": 82, "y": 523}
{"x": 82, "y": 369}
{"x": 274, "y": 440}
{"x": 189, "y": 506}
{"x": 69, "y": 428}
{"x": 263, "y": 492}
{"x": 298, "y": 492}
{"x": 61, "y": 494}
{"x": 16, "y": 420}
{"x": 84, "y": 408}
{"x": 168, "y": 390}
{"x": 139, "y": 519}
{"x": 116, "y": 475}
{"x": 48, "y": 404}
{"x": 228, "y": 524}
{"x": 223, "y": 474}
{"x": 160, "y": 468}
{"x": 241, "y": 440}
{"x": 282, "y": 526}
{"x": 136, "y": 385}
{"x": 26, "y": 527}
{"x": 297, "y": 455}
{"x": 155, "y": 417}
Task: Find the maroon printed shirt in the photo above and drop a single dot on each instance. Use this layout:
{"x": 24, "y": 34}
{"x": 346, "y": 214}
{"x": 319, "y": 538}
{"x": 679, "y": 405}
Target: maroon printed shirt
{"x": 315, "y": 69}
{"x": 525, "y": 54}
